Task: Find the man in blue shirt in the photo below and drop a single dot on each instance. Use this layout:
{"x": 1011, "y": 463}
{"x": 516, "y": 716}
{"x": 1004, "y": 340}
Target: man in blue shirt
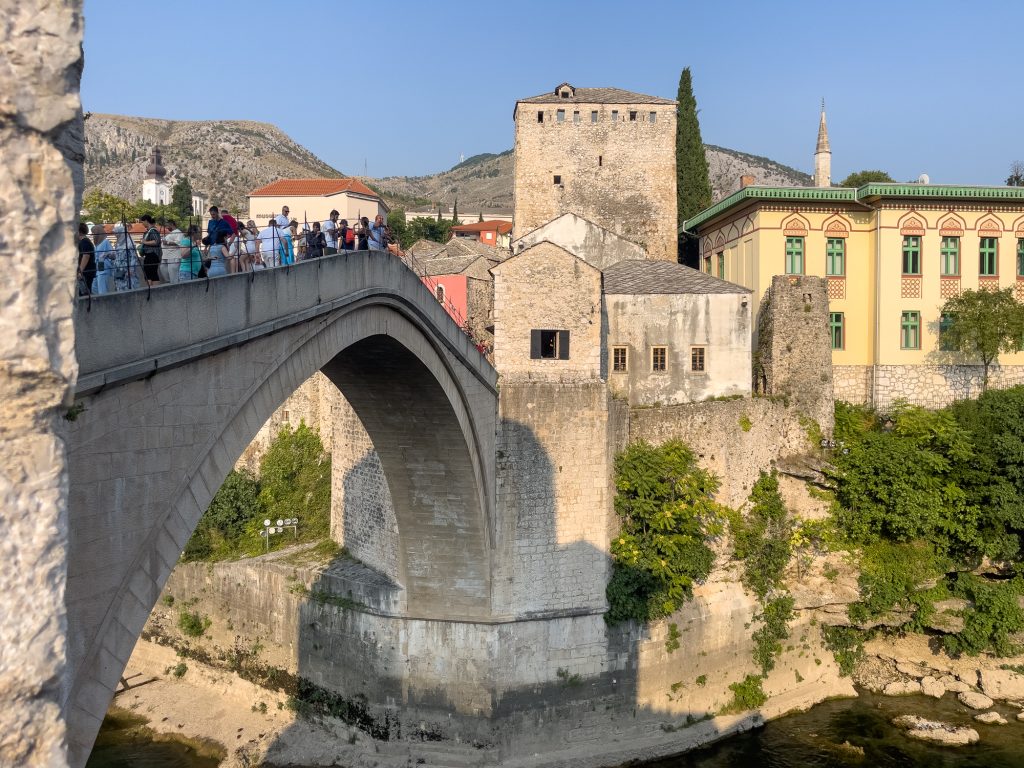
{"x": 378, "y": 234}
{"x": 216, "y": 225}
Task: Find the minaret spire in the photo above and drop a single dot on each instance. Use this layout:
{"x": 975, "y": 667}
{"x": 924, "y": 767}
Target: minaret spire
{"x": 823, "y": 154}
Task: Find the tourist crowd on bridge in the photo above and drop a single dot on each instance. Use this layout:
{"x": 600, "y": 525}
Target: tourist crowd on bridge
{"x": 106, "y": 264}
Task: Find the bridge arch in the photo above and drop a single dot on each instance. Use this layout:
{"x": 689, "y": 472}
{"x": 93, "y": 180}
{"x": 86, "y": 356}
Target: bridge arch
{"x": 159, "y": 430}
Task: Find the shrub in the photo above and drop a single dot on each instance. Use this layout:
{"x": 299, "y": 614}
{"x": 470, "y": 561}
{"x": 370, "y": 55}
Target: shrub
{"x": 665, "y": 502}
{"x": 746, "y": 695}
{"x": 295, "y": 480}
{"x": 221, "y": 529}
{"x": 763, "y": 540}
{"x": 847, "y": 645}
{"x": 774, "y": 628}
{"x": 192, "y": 624}
{"x": 995, "y": 614}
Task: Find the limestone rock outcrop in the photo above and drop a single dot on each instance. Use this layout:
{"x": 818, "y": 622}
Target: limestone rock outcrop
{"x": 935, "y": 731}
{"x": 41, "y": 154}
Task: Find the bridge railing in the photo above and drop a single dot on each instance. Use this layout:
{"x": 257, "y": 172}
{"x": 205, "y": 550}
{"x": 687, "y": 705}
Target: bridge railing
{"x": 129, "y": 334}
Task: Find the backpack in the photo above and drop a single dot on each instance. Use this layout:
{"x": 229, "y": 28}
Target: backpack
{"x": 350, "y": 236}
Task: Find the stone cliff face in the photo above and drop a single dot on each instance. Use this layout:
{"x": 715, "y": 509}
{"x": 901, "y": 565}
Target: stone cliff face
{"x": 225, "y": 160}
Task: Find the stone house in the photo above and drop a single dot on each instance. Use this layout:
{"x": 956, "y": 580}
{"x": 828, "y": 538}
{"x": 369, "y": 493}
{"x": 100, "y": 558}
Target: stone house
{"x": 605, "y": 154}
{"x": 656, "y": 332}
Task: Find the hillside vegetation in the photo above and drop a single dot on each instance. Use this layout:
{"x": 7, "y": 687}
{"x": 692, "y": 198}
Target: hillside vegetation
{"x": 227, "y": 159}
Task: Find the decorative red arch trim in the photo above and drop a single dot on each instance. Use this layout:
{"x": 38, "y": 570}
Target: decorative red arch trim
{"x": 912, "y": 226}
{"x": 990, "y": 227}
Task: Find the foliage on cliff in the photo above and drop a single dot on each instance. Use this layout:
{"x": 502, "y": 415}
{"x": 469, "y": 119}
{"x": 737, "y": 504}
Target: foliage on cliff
{"x": 668, "y": 514}
{"x": 294, "y": 481}
{"x": 925, "y": 496}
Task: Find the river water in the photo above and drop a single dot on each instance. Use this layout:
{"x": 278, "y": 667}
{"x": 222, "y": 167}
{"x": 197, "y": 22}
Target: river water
{"x": 830, "y": 735}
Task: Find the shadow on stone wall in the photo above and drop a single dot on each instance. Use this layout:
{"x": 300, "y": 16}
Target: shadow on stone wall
{"x": 413, "y": 689}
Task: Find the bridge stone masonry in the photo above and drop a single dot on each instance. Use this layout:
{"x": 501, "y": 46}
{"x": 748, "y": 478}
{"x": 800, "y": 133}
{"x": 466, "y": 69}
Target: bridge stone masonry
{"x": 175, "y": 383}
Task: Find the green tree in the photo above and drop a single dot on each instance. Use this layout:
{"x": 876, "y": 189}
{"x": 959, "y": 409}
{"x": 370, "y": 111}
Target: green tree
{"x": 181, "y": 198}
{"x": 295, "y": 481}
{"x": 665, "y": 502}
{"x": 221, "y": 529}
{"x": 455, "y": 212}
{"x": 693, "y": 189}
{"x": 102, "y": 207}
{"x": 424, "y": 228}
{"x": 860, "y": 178}
{"x": 399, "y": 228}
{"x": 984, "y": 324}
{"x": 1016, "y": 177}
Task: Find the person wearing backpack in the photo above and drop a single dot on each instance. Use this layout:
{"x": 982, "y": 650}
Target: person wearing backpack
{"x": 152, "y": 253}
{"x": 347, "y": 236}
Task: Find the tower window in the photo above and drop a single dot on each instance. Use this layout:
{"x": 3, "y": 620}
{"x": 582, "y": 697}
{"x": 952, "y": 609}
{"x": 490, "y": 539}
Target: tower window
{"x": 697, "y": 359}
{"x": 540, "y": 116}
{"x": 632, "y": 115}
{"x": 549, "y": 345}
{"x": 619, "y": 359}
{"x": 600, "y": 160}
{"x": 593, "y": 116}
{"x": 653, "y": 117}
{"x": 560, "y": 116}
{"x": 659, "y": 358}
{"x": 615, "y": 115}
{"x": 576, "y": 116}
{"x": 558, "y": 179}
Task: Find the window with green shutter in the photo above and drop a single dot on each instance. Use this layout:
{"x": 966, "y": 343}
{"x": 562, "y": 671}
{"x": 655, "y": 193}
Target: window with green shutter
{"x": 721, "y": 265}
{"x": 835, "y": 330}
{"x": 945, "y": 321}
{"x": 794, "y": 255}
{"x": 949, "y": 255}
{"x": 1020, "y": 257}
{"x": 835, "y": 256}
{"x": 910, "y": 330}
{"x": 911, "y": 255}
{"x": 988, "y": 253}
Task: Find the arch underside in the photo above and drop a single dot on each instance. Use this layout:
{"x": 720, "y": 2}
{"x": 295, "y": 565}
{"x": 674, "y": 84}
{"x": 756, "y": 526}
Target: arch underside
{"x": 147, "y": 457}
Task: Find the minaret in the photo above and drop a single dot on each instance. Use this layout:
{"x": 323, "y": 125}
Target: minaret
{"x": 822, "y": 154}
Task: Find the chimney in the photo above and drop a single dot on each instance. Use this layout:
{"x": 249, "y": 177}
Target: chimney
{"x": 746, "y": 181}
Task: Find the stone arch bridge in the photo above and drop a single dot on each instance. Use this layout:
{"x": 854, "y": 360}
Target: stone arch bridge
{"x": 174, "y": 383}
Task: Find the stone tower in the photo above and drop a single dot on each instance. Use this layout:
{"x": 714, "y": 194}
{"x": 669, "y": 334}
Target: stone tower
{"x": 155, "y": 187}
{"x": 822, "y": 154}
{"x": 604, "y": 154}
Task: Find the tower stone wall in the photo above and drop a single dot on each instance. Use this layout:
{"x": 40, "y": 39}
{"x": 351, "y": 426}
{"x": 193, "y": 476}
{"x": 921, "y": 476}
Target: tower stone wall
{"x": 794, "y": 354}
{"x": 618, "y": 172}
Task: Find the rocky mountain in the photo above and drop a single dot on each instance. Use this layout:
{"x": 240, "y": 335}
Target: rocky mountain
{"x": 485, "y": 181}
{"x": 227, "y": 159}
{"x": 223, "y": 159}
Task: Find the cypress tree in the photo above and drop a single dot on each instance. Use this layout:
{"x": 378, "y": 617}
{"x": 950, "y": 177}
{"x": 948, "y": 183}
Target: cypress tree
{"x": 693, "y": 189}
{"x": 455, "y": 212}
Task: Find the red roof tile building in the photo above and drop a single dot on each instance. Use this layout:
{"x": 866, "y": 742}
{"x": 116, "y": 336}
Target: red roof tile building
{"x": 314, "y": 199}
{"x": 494, "y": 233}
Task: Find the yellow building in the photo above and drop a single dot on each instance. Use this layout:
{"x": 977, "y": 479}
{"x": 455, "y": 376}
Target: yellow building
{"x": 892, "y": 253}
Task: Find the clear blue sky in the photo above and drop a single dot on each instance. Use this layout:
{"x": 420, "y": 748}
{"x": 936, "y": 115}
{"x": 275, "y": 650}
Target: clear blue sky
{"x": 910, "y": 87}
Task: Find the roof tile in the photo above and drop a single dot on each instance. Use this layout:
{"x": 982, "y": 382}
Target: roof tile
{"x": 312, "y": 188}
{"x": 597, "y": 96}
{"x": 635, "y": 276}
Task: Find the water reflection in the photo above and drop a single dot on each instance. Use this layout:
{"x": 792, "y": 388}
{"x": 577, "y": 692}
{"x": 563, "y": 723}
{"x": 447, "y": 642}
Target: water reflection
{"x": 125, "y": 741}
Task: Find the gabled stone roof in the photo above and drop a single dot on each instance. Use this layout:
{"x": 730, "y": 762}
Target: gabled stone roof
{"x": 637, "y": 277}
{"x": 597, "y": 96}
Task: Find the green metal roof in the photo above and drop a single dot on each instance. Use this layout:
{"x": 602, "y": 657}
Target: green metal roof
{"x": 849, "y": 194}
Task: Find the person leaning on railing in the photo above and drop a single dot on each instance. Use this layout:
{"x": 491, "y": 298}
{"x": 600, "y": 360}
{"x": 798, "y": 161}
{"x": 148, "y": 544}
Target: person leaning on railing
{"x": 191, "y": 256}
